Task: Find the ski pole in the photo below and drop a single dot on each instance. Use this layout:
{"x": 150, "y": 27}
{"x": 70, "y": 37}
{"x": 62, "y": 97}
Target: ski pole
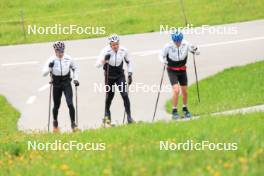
{"x": 196, "y": 77}
{"x": 125, "y": 109}
{"x": 76, "y": 104}
{"x": 49, "y": 102}
{"x": 106, "y": 83}
{"x": 161, "y": 81}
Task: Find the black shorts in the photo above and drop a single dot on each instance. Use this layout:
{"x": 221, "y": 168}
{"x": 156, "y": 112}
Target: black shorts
{"x": 178, "y": 77}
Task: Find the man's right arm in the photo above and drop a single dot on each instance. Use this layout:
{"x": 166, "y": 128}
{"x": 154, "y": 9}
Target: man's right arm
{"x": 101, "y": 59}
{"x": 163, "y": 55}
{"x": 46, "y": 68}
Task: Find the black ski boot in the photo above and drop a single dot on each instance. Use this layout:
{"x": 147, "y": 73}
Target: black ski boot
{"x": 130, "y": 120}
{"x": 175, "y": 114}
{"x": 186, "y": 112}
{"x": 55, "y": 127}
{"x": 74, "y": 127}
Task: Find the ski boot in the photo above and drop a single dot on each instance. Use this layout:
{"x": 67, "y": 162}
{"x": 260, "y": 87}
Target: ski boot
{"x": 74, "y": 127}
{"x": 186, "y": 113}
{"x": 130, "y": 120}
{"x": 107, "y": 120}
{"x": 55, "y": 127}
{"x": 175, "y": 114}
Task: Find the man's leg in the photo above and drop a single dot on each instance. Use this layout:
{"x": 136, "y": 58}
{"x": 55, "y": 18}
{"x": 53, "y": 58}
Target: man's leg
{"x": 57, "y": 93}
{"x": 184, "y": 82}
{"x": 109, "y": 97}
{"x": 184, "y": 95}
{"x": 68, "y": 96}
{"x": 121, "y": 83}
{"x": 175, "y": 95}
{"x": 173, "y": 77}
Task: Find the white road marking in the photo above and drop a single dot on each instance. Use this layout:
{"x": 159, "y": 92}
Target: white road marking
{"x": 85, "y": 58}
{"x": 144, "y": 53}
{"x": 152, "y": 52}
{"x": 43, "y": 87}
{"x": 20, "y": 63}
{"x": 31, "y": 99}
{"x": 232, "y": 41}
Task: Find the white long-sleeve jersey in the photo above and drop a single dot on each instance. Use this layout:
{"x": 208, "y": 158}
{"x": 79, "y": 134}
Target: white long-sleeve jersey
{"x": 116, "y": 58}
{"x": 62, "y": 67}
{"x": 175, "y": 56}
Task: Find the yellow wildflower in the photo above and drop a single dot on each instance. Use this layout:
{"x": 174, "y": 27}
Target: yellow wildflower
{"x": 217, "y": 173}
{"x": 227, "y": 165}
{"x": 242, "y": 160}
{"x": 64, "y": 167}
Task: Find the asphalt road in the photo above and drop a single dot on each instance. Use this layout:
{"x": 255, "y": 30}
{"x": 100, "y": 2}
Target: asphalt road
{"x": 21, "y": 81}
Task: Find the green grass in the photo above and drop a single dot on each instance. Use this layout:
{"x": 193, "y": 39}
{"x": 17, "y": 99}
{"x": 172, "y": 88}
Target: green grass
{"x": 134, "y": 149}
{"x": 123, "y": 17}
{"x": 8, "y": 118}
{"x": 235, "y": 87}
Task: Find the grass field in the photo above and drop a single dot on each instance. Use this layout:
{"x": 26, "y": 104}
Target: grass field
{"x": 135, "y": 149}
{"x": 233, "y": 88}
{"x": 8, "y": 118}
{"x": 123, "y": 17}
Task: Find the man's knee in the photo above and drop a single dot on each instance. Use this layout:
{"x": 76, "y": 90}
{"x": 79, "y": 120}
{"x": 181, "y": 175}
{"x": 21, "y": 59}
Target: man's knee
{"x": 176, "y": 89}
{"x": 184, "y": 90}
{"x": 110, "y": 95}
{"x": 124, "y": 94}
{"x": 70, "y": 106}
{"x": 56, "y": 106}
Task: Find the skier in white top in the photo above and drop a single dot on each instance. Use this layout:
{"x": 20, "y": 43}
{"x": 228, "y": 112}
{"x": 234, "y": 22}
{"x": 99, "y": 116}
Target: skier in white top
{"x": 112, "y": 58}
{"x": 174, "y": 55}
{"x": 60, "y": 67}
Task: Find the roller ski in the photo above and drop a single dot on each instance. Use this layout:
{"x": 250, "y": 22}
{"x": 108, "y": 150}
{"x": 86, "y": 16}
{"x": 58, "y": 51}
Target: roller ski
{"x": 107, "y": 123}
{"x": 107, "y": 120}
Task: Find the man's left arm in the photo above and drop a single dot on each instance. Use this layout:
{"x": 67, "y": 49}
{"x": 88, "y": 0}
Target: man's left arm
{"x": 129, "y": 67}
{"x": 193, "y": 49}
{"x": 76, "y": 71}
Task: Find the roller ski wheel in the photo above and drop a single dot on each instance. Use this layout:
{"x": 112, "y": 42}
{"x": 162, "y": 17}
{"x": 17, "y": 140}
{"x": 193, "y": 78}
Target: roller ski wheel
{"x": 106, "y": 122}
{"x": 56, "y": 129}
{"x": 74, "y": 127}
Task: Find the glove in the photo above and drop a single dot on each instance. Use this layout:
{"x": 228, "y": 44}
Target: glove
{"x": 51, "y": 64}
{"x": 129, "y": 78}
{"x": 107, "y": 57}
{"x": 76, "y": 83}
{"x": 195, "y": 50}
